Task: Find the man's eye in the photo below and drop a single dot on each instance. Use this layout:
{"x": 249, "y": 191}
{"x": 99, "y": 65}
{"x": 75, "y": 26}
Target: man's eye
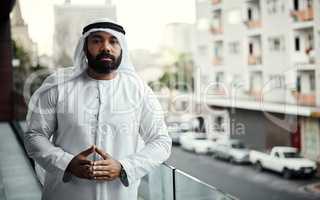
{"x": 114, "y": 41}
{"x": 96, "y": 41}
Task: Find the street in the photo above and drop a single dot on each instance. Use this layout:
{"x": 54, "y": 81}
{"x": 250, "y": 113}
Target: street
{"x": 241, "y": 181}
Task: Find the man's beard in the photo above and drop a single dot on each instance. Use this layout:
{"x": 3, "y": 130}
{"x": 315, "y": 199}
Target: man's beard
{"x": 102, "y": 66}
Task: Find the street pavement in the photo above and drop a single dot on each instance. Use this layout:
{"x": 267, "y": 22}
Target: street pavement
{"x": 242, "y": 181}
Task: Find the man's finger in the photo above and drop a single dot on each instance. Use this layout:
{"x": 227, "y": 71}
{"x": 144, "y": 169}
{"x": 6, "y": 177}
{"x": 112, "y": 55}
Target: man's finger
{"x": 102, "y": 162}
{"x": 85, "y": 162}
{"x": 104, "y": 178}
{"x": 101, "y": 173}
{"x": 101, "y": 168}
{"x": 103, "y": 154}
{"x": 88, "y": 151}
{"x": 86, "y": 172}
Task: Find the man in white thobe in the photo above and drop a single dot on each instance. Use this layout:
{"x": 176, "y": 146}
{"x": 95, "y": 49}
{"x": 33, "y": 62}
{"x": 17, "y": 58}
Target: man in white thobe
{"x": 96, "y": 128}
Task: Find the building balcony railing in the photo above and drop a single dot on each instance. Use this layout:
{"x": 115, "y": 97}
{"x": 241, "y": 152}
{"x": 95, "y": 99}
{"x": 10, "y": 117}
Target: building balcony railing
{"x": 303, "y": 15}
{"x": 252, "y": 24}
{"x": 306, "y": 58}
{"x": 310, "y": 52}
{"x": 217, "y": 61}
{"x": 216, "y": 30}
{"x": 254, "y": 60}
{"x": 215, "y": 2}
{"x": 304, "y": 99}
{"x": 257, "y": 94}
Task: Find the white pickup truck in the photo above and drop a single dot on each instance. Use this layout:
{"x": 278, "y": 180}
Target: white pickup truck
{"x": 285, "y": 160}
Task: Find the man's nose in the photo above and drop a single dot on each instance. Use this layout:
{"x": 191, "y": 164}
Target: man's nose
{"x": 107, "y": 46}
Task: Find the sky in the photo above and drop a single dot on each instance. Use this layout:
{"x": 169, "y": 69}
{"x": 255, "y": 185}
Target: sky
{"x": 144, "y": 20}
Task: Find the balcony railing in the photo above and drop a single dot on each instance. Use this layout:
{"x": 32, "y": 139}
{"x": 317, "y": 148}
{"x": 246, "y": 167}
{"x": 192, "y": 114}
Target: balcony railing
{"x": 252, "y": 24}
{"x": 254, "y": 60}
{"x": 303, "y": 15}
{"x": 304, "y": 99}
{"x": 215, "y": 2}
{"x": 216, "y": 30}
{"x": 163, "y": 183}
{"x": 168, "y": 183}
{"x": 217, "y": 61}
{"x": 255, "y": 94}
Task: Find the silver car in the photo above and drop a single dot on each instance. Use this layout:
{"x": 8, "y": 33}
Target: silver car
{"x": 232, "y": 150}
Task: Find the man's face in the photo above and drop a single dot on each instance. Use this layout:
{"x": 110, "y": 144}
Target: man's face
{"x": 103, "y": 52}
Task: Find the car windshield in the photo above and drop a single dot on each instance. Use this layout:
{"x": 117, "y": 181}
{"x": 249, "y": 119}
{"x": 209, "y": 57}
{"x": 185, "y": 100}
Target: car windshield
{"x": 291, "y": 155}
{"x": 238, "y": 145}
{"x": 201, "y": 138}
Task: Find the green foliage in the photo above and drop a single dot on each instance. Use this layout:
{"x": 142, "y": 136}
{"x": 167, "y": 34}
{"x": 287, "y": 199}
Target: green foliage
{"x": 178, "y": 75}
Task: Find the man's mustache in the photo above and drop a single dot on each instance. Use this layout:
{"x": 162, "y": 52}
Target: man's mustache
{"x": 105, "y": 55}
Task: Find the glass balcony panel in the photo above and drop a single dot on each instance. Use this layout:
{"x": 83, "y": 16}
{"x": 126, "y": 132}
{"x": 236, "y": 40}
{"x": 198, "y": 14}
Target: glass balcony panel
{"x": 190, "y": 188}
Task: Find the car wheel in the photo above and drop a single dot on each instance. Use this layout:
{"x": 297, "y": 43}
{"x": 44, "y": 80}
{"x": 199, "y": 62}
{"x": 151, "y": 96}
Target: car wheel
{"x": 259, "y": 166}
{"x": 232, "y": 160}
{"x": 287, "y": 174}
{"x": 214, "y": 155}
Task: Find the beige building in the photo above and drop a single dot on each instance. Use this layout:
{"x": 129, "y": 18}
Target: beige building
{"x": 20, "y": 33}
{"x": 263, "y": 56}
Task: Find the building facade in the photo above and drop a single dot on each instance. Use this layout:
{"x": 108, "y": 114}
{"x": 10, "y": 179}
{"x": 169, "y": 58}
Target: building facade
{"x": 263, "y": 56}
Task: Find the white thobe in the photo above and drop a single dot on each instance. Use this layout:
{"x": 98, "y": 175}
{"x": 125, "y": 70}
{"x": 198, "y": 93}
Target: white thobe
{"x": 115, "y": 115}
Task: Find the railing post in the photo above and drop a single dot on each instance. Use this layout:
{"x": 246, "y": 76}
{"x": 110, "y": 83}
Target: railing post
{"x": 174, "y": 183}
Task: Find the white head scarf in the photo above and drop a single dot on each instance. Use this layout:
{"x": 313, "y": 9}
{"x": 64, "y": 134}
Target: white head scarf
{"x": 80, "y": 65}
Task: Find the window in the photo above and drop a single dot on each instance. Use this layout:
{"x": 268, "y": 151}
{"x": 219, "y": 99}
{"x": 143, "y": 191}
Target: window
{"x": 296, "y": 5}
{"x": 298, "y": 84}
{"x": 276, "y": 43}
{"x": 219, "y": 124}
{"x": 249, "y": 14}
{"x": 310, "y": 40}
{"x": 250, "y": 48}
{"x": 273, "y": 6}
{"x": 234, "y": 47}
{"x": 312, "y": 82}
{"x": 306, "y": 81}
{"x": 277, "y": 81}
{"x": 297, "y": 43}
{"x": 219, "y": 77}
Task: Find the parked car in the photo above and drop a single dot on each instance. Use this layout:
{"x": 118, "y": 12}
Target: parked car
{"x": 232, "y": 150}
{"x": 197, "y": 142}
{"x": 178, "y": 126}
{"x": 285, "y": 160}
{"x": 175, "y": 132}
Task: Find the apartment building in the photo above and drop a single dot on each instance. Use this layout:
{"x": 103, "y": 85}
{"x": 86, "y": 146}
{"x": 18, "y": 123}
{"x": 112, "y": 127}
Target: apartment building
{"x": 261, "y": 64}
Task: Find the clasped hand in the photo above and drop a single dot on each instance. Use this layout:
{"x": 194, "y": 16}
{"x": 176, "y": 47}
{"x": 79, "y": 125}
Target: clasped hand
{"x": 105, "y": 169}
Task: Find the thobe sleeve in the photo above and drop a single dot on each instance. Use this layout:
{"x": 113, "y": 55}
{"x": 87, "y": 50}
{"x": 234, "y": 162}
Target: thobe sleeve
{"x": 153, "y": 131}
{"x": 41, "y": 126}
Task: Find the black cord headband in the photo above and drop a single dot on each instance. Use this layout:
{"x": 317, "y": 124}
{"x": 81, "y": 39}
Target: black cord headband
{"x": 110, "y": 25}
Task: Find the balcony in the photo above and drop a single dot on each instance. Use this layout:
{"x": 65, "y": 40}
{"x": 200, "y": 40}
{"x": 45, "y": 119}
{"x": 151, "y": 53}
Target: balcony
{"x": 21, "y": 182}
{"x": 254, "y": 60}
{"x": 217, "y": 61}
{"x": 303, "y": 15}
{"x": 216, "y": 30}
{"x": 255, "y": 95}
{"x": 304, "y": 99}
{"x": 253, "y": 24}
{"x": 305, "y": 58}
{"x": 215, "y": 2}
